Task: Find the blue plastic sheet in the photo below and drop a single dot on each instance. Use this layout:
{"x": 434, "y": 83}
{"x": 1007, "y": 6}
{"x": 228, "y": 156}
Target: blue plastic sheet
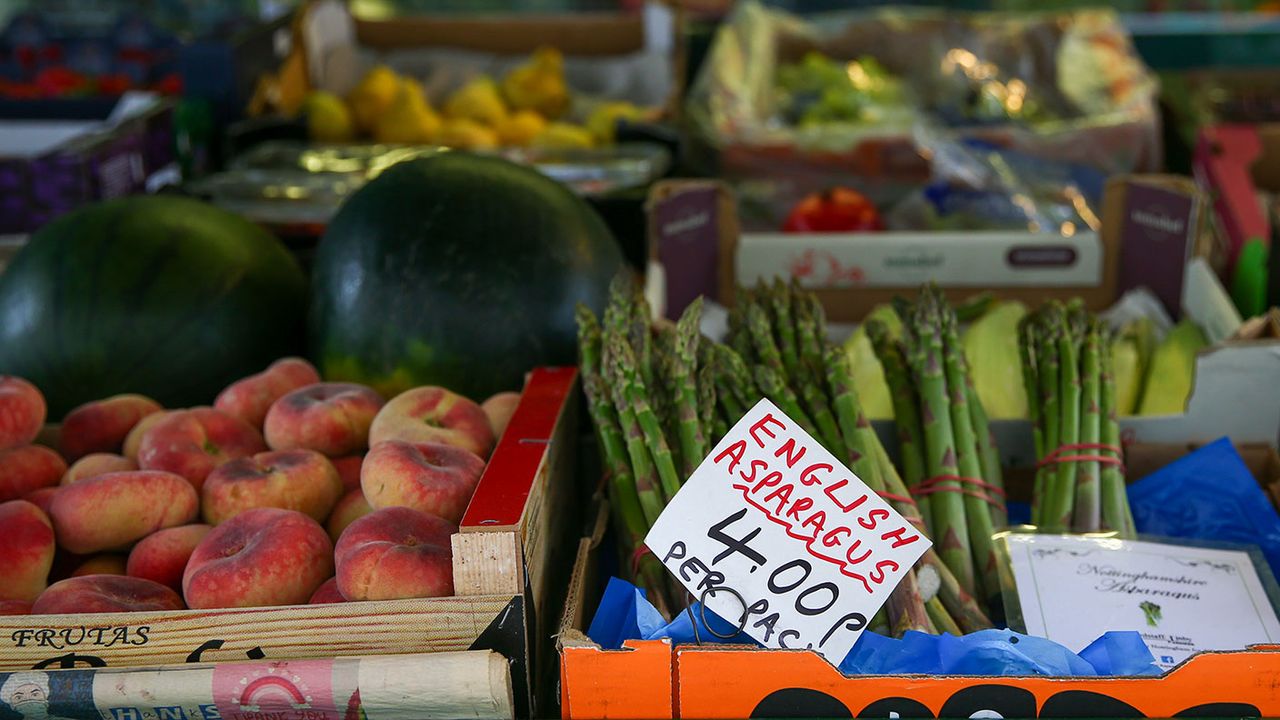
{"x": 625, "y": 614}
{"x": 1208, "y": 495}
{"x": 997, "y": 652}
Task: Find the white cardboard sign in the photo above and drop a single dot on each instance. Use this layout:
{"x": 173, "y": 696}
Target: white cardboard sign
{"x": 774, "y": 527}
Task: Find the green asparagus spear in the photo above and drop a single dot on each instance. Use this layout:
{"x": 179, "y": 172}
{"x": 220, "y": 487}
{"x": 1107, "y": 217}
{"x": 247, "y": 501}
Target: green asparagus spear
{"x": 771, "y": 384}
{"x": 947, "y": 506}
{"x": 992, "y": 471}
{"x": 977, "y": 511}
{"x": 1116, "y": 514}
{"x": 1087, "y": 516}
{"x": 1048, "y": 363}
{"x": 1061, "y": 500}
{"x": 906, "y": 411}
{"x": 780, "y": 305}
{"x": 693, "y": 441}
{"x": 635, "y": 395}
{"x": 1027, "y": 345}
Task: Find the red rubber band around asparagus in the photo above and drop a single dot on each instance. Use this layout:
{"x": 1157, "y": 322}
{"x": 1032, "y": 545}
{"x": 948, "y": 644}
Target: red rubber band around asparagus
{"x": 1057, "y": 456}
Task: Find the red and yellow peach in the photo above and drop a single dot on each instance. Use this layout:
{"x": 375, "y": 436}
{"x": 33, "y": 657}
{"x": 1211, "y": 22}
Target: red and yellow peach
{"x": 27, "y": 546}
{"x": 302, "y": 480}
{"x": 258, "y": 558}
{"x": 430, "y": 477}
{"x": 101, "y": 426}
{"x": 112, "y": 511}
{"x": 433, "y": 414}
{"x": 395, "y": 553}
{"x": 251, "y": 397}
{"x": 330, "y": 418}
{"x": 191, "y": 443}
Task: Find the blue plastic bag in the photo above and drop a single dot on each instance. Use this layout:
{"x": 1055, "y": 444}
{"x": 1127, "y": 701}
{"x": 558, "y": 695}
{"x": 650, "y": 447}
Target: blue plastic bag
{"x": 626, "y": 614}
{"x": 1208, "y": 495}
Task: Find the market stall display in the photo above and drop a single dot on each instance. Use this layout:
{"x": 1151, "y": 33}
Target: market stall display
{"x": 789, "y": 105}
{"x": 912, "y": 391}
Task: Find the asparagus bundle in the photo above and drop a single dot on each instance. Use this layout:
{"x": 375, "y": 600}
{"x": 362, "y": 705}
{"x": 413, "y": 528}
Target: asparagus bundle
{"x": 661, "y": 396}
{"x": 1067, "y": 369}
{"x": 777, "y": 349}
{"x": 647, "y": 407}
{"x": 949, "y": 456}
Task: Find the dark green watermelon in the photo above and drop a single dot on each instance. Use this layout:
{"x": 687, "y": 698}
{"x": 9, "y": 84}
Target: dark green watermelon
{"x": 456, "y": 270}
{"x": 164, "y": 296}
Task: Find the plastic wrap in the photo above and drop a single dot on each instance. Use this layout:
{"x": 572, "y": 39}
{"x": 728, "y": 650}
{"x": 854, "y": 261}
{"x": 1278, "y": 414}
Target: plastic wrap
{"x": 1064, "y": 87}
{"x": 979, "y": 186}
{"x": 625, "y": 614}
{"x": 1208, "y": 494}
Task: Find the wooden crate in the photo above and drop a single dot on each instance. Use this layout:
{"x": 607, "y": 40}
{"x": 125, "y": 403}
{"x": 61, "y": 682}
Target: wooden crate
{"x": 502, "y": 555}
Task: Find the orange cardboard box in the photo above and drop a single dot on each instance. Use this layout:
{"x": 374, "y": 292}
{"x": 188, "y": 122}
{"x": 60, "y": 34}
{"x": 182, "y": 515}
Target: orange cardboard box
{"x": 654, "y": 679}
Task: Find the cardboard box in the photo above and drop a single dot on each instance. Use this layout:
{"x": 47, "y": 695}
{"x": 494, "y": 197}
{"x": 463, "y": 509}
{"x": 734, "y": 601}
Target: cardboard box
{"x": 1163, "y": 221}
{"x": 1236, "y": 164}
{"x": 853, "y": 272}
{"x": 654, "y": 679}
{"x": 505, "y": 573}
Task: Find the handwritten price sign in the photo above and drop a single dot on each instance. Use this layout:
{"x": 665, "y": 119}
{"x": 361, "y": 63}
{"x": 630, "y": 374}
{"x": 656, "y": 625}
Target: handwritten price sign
{"x": 774, "y": 532}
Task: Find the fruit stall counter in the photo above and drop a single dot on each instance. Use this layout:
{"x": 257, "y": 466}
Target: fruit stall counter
{"x": 500, "y": 561}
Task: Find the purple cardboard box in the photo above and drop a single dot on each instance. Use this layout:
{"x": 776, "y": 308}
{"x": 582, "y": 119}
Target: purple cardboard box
{"x": 1160, "y": 228}
{"x": 97, "y": 165}
{"x": 688, "y": 223}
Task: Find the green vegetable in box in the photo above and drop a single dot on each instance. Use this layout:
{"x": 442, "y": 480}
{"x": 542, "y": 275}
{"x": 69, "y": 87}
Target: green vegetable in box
{"x": 867, "y": 372}
{"x": 158, "y": 295}
{"x": 991, "y": 349}
{"x": 1172, "y": 371}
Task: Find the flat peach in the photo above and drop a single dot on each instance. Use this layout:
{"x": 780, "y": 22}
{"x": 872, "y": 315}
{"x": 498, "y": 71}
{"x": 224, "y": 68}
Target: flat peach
{"x": 162, "y": 556}
{"x": 250, "y": 398}
{"x": 192, "y": 443}
{"x": 42, "y": 498}
{"x": 105, "y": 564}
{"x": 101, "y": 426}
{"x": 330, "y": 418}
{"x": 95, "y": 464}
{"x": 433, "y": 414}
{"x": 105, "y": 593}
{"x": 351, "y": 507}
{"x": 395, "y": 553}
{"x": 133, "y": 441}
{"x": 25, "y": 469}
{"x": 499, "y": 410}
{"x": 431, "y": 477}
{"x": 327, "y": 593}
{"x": 349, "y": 470}
{"x": 302, "y": 480}
{"x": 112, "y": 511}
{"x": 22, "y": 411}
{"x": 26, "y": 545}
{"x": 15, "y": 607}
{"x": 259, "y": 558}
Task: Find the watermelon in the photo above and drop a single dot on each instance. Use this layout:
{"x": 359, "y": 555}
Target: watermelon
{"x": 159, "y": 295}
{"x": 456, "y": 270}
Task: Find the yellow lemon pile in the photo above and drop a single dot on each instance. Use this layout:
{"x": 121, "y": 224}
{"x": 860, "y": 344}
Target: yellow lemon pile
{"x": 526, "y": 108}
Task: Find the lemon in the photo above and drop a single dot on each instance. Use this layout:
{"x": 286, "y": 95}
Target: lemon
{"x": 467, "y": 135}
{"x": 520, "y": 128}
{"x": 478, "y": 101}
{"x": 375, "y": 93}
{"x": 409, "y": 120}
{"x": 564, "y": 136}
{"x": 328, "y": 119}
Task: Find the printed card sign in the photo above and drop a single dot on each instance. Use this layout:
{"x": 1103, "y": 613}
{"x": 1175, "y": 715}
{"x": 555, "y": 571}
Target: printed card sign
{"x": 1182, "y": 599}
{"x": 773, "y": 532}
